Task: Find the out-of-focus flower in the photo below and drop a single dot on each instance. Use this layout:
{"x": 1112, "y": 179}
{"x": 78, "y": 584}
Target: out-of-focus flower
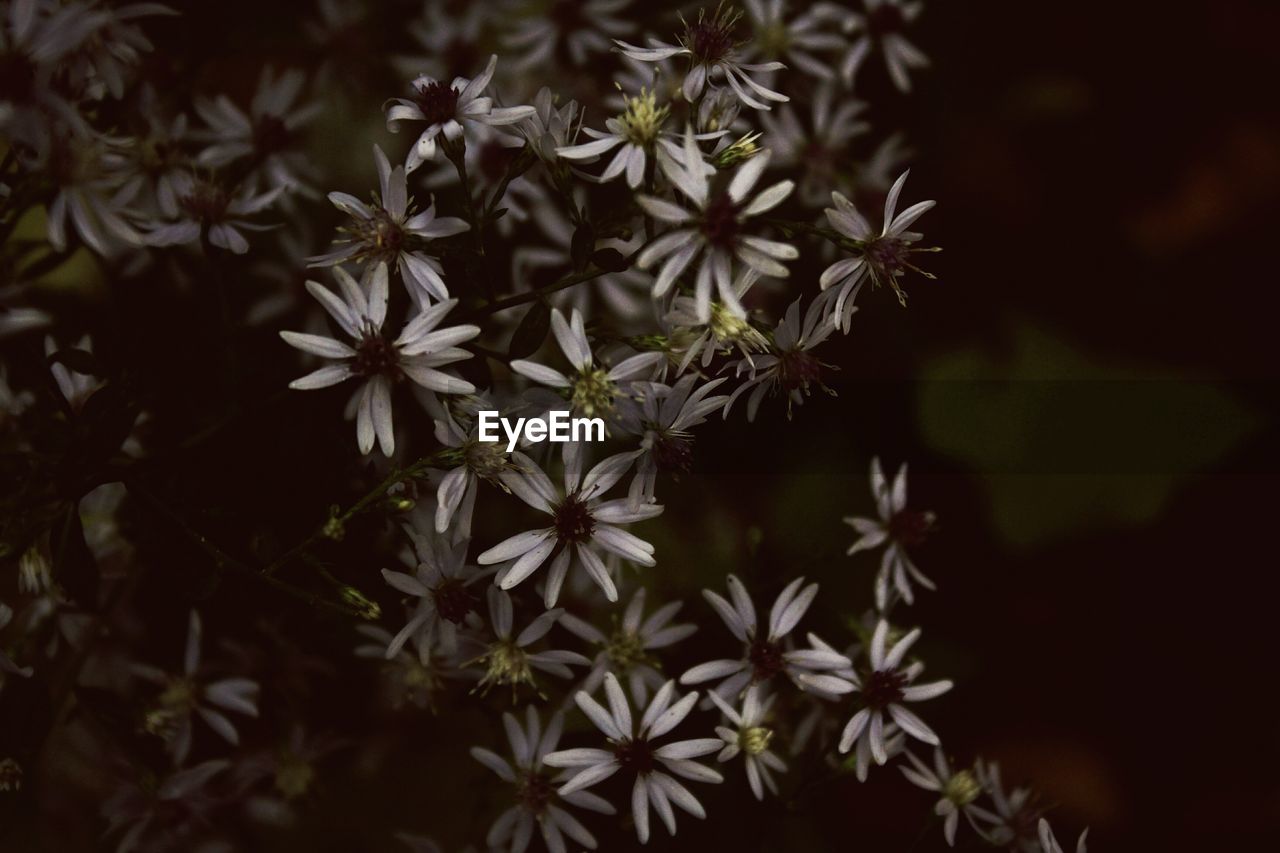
{"x": 206, "y": 207}
{"x": 712, "y": 43}
{"x": 167, "y": 813}
{"x": 441, "y": 584}
{"x": 93, "y": 192}
{"x": 765, "y": 654}
{"x": 627, "y": 651}
{"x": 418, "y": 353}
{"x": 662, "y": 415}
{"x": 774, "y": 37}
{"x": 713, "y": 227}
{"x": 789, "y": 366}
{"x": 582, "y": 524}
{"x": 188, "y": 693}
{"x": 820, "y": 150}
{"x": 958, "y": 791}
{"x": 880, "y": 27}
{"x": 897, "y": 529}
{"x": 537, "y": 802}
{"x": 576, "y": 28}
{"x": 632, "y": 748}
{"x": 391, "y": 233}
{"x": 750, "y": 737}
{"x": 1050, "y": 844}
{"x": 447, "y": 109}
{"x": 266, "y": 137}
{"x": 884, "y": 689}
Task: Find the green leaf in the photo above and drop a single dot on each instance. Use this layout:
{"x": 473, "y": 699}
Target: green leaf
{"x": 531, "y": 332}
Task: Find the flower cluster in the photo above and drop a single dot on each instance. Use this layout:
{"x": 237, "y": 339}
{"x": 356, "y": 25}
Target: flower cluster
{"x": 638, "y": 254}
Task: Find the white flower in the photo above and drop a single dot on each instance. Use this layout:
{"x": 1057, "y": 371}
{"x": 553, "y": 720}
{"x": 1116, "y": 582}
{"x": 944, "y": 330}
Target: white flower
{"x": 418, "y": 353}
{"x": 881, "y": 26}
{"x": 796, "y": 40}
{"x": 750, "y": 737}
{"x": 149, "y": 813}
{"x": 821, "y": 150}
{"x": 632, "y": 748}
{"x": 764, "y": 655}
{"x": 712, "y": 45}
{"x": 537, "y": 803}
{"x": 187, "y": 693}
{"x": 592, "y": 390}
{"x": 267, "y": 135}
{"x": 409, "y": 677}
{"x": 693, "y": 340}
{"x": 440, "y": 583}
{"x": 469, "y": 461}
{"x": 662, "y": 416}
{"x": 958, "y": 791}
{"x": 390, "y": 232}
{"x": 897, "y": 528}
{"x": 507, "y": 659}
{"x": 790, "y": 365}
{"x": 205, "y": 206}
{"x": 92, "y": 191}
{"x": 447, "y": 108}
{"x": 581, "y": 524}
{"x": 713, "y": 227}
{"x": 885, "y": 257}
{"x": 884, "y": 690}
{"x": 1050, "y": 844}
{"x": 576, "y": 27}
{"x": 626, "y": 651}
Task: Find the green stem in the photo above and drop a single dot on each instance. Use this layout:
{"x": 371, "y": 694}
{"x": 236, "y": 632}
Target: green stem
{"x": 531, "y": 296}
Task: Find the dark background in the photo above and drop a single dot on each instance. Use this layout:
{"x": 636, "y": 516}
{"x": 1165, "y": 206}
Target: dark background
{"x": 1087, "y": 397}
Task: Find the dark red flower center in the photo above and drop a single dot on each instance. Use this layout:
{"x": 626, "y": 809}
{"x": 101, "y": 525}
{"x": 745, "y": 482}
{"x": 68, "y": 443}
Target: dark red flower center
{"x": 634, "y": 755}
{"x": 270, "y": 135}
{"x": 206, "y": 202}
{"x": 910, "y": 527}
{"x": 766, "y": 659}
{"x": 883, "y": 688}
{"x": 673, "y": 452}
{"x": 534, "y": 791}
{"x": 438, "y": 102}
{"x": 453, "y": 600}
{"x": 888, "y": 254}
{"x": 573, "y": 520}
{"x": 375, "y": 355}
{"x": 712, "y": 37}
{"x": 720, "y": 221}
{"x": 798, "y": 369}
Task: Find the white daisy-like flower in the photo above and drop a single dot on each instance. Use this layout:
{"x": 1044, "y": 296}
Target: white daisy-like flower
{"x": 897, "y": 529}
{"x": 627, "y": 650}
{"x": 691, "y": 340}
{"x": 713, "y": 228}
{"x": 410, "y": 677}
{"x": 884, "y": 689}
{"x": 447, "y": 109}
{"x": 576, "y": 28}
{"x": 441, "y": 584}
{"x": 1016, "y": 812}
{"x": 267, "y": 135}
{"x": 389, "y": 231}
{"x": 582, "y": 524}
{"x": 187, "y": 694}
{"x": 884, "y": 257}
{"x": 418, "y": 352}
{"x": 507, "y": 659}
{"x": 92, "y": 193}
{"x": 632, "y": 747}
{"x": 712, "y": 44}
{"x": 468, "y": 461}
{"x": 537, "y": 804}
{"x": 765, "y": 654}
{"x": 205, "y": 206}
{"x": 638, "y": 130}
{"x": 819, "y": 150}
{"x": 795, "y": 40}
{"x": 1049, "y": 844}
{"x": 592, "y": 389}
{"x": 789, "y": 367}
{"x": 958, "y": 791}
{"x": 880, "y": 25}
{"x": 750, "y": 737}
{"x": 662, "y": 416}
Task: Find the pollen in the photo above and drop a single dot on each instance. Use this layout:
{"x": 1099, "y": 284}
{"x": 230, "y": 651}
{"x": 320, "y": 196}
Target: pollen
{"x": 643, "y": 118}
{"x": 755, "y": 740}
{"x": 593, "y": 392}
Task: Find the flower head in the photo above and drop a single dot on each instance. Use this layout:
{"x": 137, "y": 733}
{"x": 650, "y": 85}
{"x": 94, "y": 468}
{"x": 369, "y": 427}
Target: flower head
{"x": 749, "y": 737}
{"x": 897, "y": 529}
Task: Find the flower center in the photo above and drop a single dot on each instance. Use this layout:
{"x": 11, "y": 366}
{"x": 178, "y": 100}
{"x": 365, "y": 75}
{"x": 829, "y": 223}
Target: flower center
{"x": 293, "y": 776}
{"x": 485, "y": 458}
{"x": 643, "y": 118}
{"x": 437, "y": 101}
{"x": 207, "y": 202}
{"x": 883, "y": 688}
{"x": 888, "y": 254}
{"x": 593, "y": 392}
{"x": 507, "y": 663}
{"x": 766, "y": 660}
{"x": 453, "y": 600}
{"x": 720, "y": 221}
{"x": 270, "y": 135}
{"x": 911, "y": 528}
{"x": 962, "y": 788}
{"x": 672, "y": 451}
{"x": 573, "y": 520}
{"x": 635, "y": 755}
{"x": 797, "y": 370}
{"x": 625, "y": 650}
{"x": 375, "y": 355}
{"x": 534, "y": 791}
{"x": 755, "y": 740}
{"x": 712, "y": 37}
{"x": 774, "y": 39}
